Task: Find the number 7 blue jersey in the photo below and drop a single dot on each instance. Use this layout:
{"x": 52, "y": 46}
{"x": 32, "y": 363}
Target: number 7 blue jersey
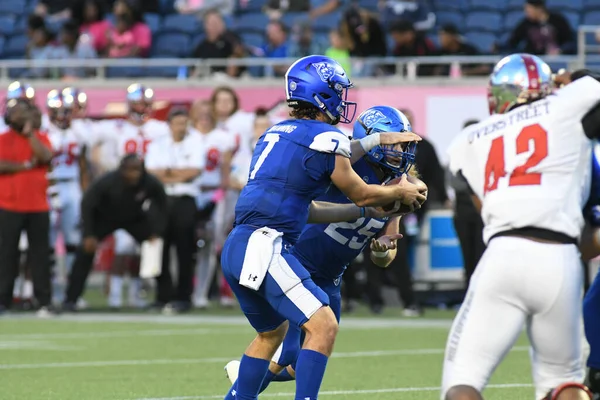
{"x": 326, "y": 249}
{"x": 291, "y": 166}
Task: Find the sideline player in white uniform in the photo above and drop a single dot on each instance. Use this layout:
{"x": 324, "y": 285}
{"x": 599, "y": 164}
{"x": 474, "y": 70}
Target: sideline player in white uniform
{"x": 123, "y": 137}
{"x": 68, "y": 178}
{"x": 219, "y": 145}
{"x": 529, "y": 166}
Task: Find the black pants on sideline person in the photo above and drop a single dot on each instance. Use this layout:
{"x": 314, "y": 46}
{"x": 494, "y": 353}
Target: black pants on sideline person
{"x": 140, "y": 230}
{"x": 37, "y": 226}
{"x": 469, "y": 229}
{"x": 180, "y": 233}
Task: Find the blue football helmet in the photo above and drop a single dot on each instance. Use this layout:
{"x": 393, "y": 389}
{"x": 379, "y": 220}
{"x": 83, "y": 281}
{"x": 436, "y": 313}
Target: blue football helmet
{"x": 322, "y": 82}
{"x": 386, "y": 119}
{"x": 518, "y": 79}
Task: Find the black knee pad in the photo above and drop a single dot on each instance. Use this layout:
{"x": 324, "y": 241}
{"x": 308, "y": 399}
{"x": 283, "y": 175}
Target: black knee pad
{"x": 594, "y": 380}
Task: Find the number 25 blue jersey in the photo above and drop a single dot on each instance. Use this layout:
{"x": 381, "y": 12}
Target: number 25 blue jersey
{"x": 291, "y": 166}
{"x": 326, "y": 249}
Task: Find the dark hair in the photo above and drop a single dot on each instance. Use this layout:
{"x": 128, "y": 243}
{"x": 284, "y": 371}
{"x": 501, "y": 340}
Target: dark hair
{"x": 470, "y": 122}
{"x": 280, "y": 24}
{"x": 135, "y": 9}
{"x": 226, "y": 89}
{"x": 79, "y": 10}
{"x": 35, "y": 22}
{"x": 212, "y": 11}
{"x": 450, "y": 29}
{"x": 71, "y": 28}
{"x": 537, "y": 3}
{"x": 130, "y": 157}
{"x": 261, "y": 112}
{"x": 402, "y": 26}
{"x": 302, "y": 110}
{"x": 177, "y": 112}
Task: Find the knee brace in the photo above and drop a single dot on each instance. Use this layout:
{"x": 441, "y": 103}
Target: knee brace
{"x": 553, "y": 395}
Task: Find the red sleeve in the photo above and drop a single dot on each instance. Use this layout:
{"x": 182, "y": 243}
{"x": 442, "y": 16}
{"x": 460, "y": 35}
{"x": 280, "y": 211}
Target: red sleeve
{"x": 43, "y": 137}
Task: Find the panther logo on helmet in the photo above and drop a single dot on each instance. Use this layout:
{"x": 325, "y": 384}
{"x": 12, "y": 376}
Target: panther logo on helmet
{"x": 372, "y": 117}
{"x": 325, "y": 71}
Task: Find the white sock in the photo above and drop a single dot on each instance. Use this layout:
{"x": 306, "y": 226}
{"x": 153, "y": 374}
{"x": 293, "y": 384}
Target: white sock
{"x": 17, "y": 289}
{"x": 27, "y": 289}
{"x": 115, "y": 297}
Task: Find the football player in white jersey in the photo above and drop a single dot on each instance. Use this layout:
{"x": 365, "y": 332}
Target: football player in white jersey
{"x": 528, "y": 166}
{"x": 132, "y": 135}
{"x": 68, "y": 178}
{"x": 219, "y": 145}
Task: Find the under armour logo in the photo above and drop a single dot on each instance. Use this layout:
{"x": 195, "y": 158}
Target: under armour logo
{"x": 233, "y": 393}
{"x": 265, "y": 233}
{"x": 252, "y": 278}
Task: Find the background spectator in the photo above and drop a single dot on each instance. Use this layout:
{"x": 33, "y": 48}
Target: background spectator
{"x": 130, "y": 36}
{"x": 72, "y": 46}
{"x": 219, "y": 43}
{"x": 40, "y": 48}
{"x": 415, "y": 11}
{"x": 410, "y": 43}
{"x": 276, "y": 46}
{"x": 323, "y": 7}
{"x": 304, "y": 43}
{"x": 224, "y": 7}
{"x": 542, "y": 32}
{"x": 339, "y": 50}
{"x": 364, "y": 36}
{"x": 90, "y": 16}
{"x": 453, "y": 44}
{"x": 55, "y": 10}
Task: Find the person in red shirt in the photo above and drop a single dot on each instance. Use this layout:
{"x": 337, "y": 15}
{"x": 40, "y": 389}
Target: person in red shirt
{"x": 25, "y": 155}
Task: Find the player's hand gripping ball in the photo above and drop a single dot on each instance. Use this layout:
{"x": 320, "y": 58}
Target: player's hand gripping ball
{"x": 398, "y": 206}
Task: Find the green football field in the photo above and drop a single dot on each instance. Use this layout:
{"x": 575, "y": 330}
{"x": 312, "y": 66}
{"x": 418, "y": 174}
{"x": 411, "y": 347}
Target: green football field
{"x": 100, "y": 356}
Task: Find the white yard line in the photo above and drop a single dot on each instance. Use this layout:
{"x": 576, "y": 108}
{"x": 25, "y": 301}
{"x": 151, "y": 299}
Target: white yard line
{"x": 216, "y": 360}
{"x": 123, "y": 334}
{"x": 344, "y": 392}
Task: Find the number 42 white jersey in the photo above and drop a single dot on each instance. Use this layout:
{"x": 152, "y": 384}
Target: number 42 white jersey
{"x": 531, "y": 166}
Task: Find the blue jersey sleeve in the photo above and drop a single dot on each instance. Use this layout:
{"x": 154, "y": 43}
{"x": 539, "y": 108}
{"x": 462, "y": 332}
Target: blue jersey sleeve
{"x": 592, "y": 208}
{"x": 319, "y": 165}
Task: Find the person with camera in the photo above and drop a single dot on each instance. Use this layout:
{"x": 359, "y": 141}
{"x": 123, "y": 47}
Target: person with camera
{"x": 25, "y": 156}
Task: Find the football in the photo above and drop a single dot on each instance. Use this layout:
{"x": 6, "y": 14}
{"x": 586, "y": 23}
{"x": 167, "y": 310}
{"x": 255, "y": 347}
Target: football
{"x": 402, "y": 208}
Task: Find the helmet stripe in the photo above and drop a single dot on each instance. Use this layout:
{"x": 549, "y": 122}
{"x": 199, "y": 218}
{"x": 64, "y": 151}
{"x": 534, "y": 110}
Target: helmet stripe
{"x": 533, "y": 75}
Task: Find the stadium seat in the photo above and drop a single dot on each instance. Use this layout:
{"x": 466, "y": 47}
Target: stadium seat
{"x": 153, "y": 21}
{"x": 20, "y": 25}
{"x": 196, "y": 40}
{"x": 483, "y": 21}
{"x": 13, "y": 7}
{"x": 450, "y": 17}
{"x": 450, "y": 5}
{"x": 253, "y": 39}
{"x": 487, "y": 5}
{"x": 15, "y": 46}
{"x": 166, "y": 6}
{"x": 124, "y": 72}
{"x": 252, "y": 22}
{"x": 515, "y": 4}
{"x": 368, "y": 5}
{"x": 565, "y": 5}
{"x": 327, "y": 22}
{"x": 181, "y": 23}
{"x": 7, "y": 24}
{"x": 293, "y": 18}
{"x": 2, "y": 41}
{"x": 591, "y": 18}
{"x": 172, "y": 45}
{"x": 249, "y": 6}
{"x": 572, "y": 17}
{"x": 482, "y": 40}
{"x": 512, "y": 19}
{"x": 110, "y": 18}
{"x": 162, "y": 72}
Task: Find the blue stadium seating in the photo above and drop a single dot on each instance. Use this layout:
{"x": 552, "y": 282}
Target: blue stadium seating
{"x": 572, "y": 17}
{"x": 162, "y": 72}
{"x": 452, "y": 5}
{"x": 483, "y": 21}
{"x": 482, "y": 40}
{"x": 2, "y": 41}
{"x": 153, "y": 21}
{"x": 196, "y": 40}
{"x": 591, "y": 5}
{"x": 124, "y": 72}
{"x": 181, "y": 23}
{"x": 564, "y": 5}
{"x": 290, "y": 19}
{"x": 20, "y": 25}
{"x": 487, "y": 5}
{"x": 450, "y": 17}
{"x": 172, "y": 45}
{"x": 13, "y": 7}
{"x": 251, "y": 6}
{"x": 515, "y": 4}
{"x": 253, "y": 39}
{"x": 7, "y": 24}
{"x": 368, "y": 5}
{"x": 252, "y": 22}
{"x": 512, "y": 19}
{"x": 591, "y": 18}
{"x": 327, "y": 22}
{"x": 15, "y": 46}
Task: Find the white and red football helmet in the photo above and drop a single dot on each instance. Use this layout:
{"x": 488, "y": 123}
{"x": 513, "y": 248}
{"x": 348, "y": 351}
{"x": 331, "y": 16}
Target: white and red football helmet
{"x": 60, "y": 109}
{"x": 79, "y": 100}
{"x": 139, "y": 102}
{"x": 518, "y": 79}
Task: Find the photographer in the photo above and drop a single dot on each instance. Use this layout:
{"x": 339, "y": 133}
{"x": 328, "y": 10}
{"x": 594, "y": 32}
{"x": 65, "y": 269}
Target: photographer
{"x": 25, "y": 155}
{"x": 129, "y": 199}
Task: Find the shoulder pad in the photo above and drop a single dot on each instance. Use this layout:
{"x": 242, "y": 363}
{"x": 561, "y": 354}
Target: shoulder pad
{"x": 332, "y": 142}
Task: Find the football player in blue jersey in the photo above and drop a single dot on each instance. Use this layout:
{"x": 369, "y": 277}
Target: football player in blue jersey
{"x": 591, "y": 303}
{"x": 326, "y": 249}
{"x": 294, "y": 163}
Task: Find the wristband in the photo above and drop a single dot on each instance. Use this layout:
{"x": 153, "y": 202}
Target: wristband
{"x": 370, "y": 141}
{"x": 380, "y": 254}
{"x": 362, "y": 212}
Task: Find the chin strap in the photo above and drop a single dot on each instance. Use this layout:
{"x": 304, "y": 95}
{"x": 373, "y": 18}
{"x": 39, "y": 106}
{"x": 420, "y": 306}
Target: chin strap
{"x": 553, "y": 395}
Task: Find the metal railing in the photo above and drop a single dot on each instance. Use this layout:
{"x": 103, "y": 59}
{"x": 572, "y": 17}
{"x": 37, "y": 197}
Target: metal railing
{"x": 406, "y": 68}
{"x": 588, "y": 53}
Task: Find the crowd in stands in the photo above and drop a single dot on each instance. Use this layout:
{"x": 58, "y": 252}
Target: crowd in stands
{"x": 344, "y": 29}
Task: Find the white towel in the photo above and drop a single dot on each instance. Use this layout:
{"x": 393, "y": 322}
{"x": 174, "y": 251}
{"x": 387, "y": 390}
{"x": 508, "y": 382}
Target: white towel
{"x": 151, "y": 258}
{"x": 263, "y": 243}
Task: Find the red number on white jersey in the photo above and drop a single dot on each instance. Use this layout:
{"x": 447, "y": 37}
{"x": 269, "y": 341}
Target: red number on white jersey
{"x": 495, "y": 167}
{"x": 212, "y": 159}
{"x": 131, "y": 146}
{"x": 68, "y": 154}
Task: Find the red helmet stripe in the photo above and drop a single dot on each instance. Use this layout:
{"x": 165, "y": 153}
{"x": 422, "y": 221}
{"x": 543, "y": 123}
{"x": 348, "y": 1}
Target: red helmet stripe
{"x": 533, "y": 75}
